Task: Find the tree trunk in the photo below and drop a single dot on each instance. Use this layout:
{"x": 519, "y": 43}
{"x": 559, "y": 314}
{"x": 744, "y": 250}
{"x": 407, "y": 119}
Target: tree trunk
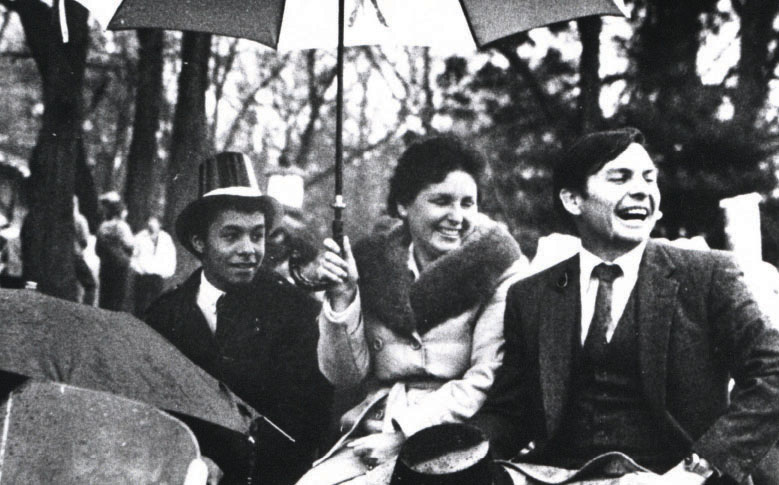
{"x": 590, "y": 115}
{"x": 666, "y": 50}
{"x": 48, "y": 236}
{"x": 189, "y": 139}
{"x": 86, "y": 190}
{"x": 755, "y": 66}
{"x": 142, "y": 171}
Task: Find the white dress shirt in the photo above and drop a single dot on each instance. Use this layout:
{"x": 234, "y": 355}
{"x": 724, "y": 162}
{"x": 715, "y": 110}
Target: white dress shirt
{"x": 154, "y": 258}
{"x": 622, "y": 287}
{"x": 207, "y": 295}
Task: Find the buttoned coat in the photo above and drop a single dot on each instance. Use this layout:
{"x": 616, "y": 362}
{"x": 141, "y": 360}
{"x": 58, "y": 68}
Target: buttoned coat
{"x": 698, "y": 327}
{"x": 267, "y": 357}
{"x": 431, "y": 346}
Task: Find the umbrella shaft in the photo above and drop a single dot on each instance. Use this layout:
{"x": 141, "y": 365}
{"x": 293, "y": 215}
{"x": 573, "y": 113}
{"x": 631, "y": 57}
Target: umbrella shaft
{"x": 339, "y": 103}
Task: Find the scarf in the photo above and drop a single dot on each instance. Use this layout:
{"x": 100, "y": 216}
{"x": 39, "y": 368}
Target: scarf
{"x": 452, "y": 284}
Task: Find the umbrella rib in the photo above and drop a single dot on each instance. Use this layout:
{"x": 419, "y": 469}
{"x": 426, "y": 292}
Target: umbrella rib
{"x": 6, "y": 427}
{"x": 470, "y": 24}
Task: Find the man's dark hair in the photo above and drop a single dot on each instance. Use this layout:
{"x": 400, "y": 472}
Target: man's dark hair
{"x": 585, "y": 157}
{"x": 428, "y": 162}
{"x": 211, "y": 211}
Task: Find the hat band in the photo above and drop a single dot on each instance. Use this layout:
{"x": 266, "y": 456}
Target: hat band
{"x": 239, "y": 191}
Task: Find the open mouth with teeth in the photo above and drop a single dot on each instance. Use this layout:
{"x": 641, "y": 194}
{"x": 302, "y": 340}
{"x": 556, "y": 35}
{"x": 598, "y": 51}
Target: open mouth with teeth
{"x": 451, "y": 233}
{"x": 633, "y": 213}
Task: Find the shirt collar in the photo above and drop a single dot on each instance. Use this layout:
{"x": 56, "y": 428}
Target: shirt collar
{"x": 628, "y": 262}
{"x": 412, "y": 262}
{"x": 209, "y": 293}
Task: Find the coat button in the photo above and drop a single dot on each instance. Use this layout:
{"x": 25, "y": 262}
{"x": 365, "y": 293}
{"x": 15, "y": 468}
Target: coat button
{"x": 377, "y": 344}
{"x": 416, "y": 345}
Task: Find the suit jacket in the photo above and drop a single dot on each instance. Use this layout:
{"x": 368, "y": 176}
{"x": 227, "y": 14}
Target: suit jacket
{"x": 698, "y": 327}
{"x": 267, "y": 356}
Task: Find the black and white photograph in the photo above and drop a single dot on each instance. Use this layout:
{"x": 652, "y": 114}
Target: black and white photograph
{"x": 389, "y": 242}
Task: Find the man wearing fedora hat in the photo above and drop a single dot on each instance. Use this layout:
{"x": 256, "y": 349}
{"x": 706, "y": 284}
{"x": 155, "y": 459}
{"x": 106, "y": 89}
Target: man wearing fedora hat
{"x": 618, "y": 360}
{"x": 249, "y": 328}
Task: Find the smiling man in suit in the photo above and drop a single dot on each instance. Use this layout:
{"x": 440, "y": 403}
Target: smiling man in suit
{"x": 249, "y": 328}
{"x": 618, "y": 360}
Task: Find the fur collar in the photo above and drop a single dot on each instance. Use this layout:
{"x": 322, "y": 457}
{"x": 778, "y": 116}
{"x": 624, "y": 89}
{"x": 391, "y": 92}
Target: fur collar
{"x": 454, "y": 283}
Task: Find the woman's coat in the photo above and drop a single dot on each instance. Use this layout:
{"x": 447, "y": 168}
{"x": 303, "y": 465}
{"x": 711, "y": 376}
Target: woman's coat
{"x": 430, "y": 344}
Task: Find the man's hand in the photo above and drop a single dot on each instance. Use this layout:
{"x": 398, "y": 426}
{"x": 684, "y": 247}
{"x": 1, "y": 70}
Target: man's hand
{"x": 341, "y": 270}
{"x": 378, "y": 448}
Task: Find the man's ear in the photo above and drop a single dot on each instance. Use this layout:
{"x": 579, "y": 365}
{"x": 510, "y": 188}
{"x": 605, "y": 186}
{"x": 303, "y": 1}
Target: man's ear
{"x": 571, "y": 201}
{"x": 197, "y": 243}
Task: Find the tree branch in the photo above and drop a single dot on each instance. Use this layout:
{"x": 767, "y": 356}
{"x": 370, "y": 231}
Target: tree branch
{"x": 350, "y": 155}
{"x": 222, "y": 68}
{"x": 250, "y": 100}
{"x": 548, "y": 106}
{"x": 612, "y": 78}
{"x": 317, "y": 85}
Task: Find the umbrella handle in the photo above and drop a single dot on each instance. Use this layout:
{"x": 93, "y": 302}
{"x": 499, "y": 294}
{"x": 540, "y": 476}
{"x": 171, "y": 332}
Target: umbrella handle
{"x": 301, "y": 281}
{"x": 296, "y": 263}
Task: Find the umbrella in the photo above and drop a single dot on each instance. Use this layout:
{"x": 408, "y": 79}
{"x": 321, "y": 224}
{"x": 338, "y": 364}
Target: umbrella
{"x": 300, "y": 24}
{"x": 46, "y": 338}
{"x": 56, "y": 433}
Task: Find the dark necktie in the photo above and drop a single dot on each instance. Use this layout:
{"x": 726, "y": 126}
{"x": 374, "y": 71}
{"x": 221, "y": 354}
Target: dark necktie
{"x": 223, "y": 316}
{"x": 601, "y": 318}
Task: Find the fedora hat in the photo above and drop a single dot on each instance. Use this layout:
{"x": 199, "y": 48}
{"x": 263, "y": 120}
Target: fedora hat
{"x": 224, "y": 179}
{"x": 448, "y": 454}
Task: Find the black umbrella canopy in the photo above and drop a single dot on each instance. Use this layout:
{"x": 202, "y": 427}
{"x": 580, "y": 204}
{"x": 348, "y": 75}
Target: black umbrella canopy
{"x": 50, "y": 339}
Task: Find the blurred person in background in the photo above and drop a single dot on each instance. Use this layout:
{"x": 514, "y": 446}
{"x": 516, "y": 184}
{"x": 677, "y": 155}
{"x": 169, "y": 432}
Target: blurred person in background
{"x": 115, "y": 245}
{"x": 84, "y": 273}
{"x": 154, "y": 261}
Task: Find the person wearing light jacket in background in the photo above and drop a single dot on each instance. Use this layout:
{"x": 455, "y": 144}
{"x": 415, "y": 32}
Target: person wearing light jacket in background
{"x": 153, "y": 262}
{"x": 422, "y": 332}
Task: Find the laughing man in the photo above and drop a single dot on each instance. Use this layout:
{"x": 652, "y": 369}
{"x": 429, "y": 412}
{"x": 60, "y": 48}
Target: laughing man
{"x": 618, "y": 360}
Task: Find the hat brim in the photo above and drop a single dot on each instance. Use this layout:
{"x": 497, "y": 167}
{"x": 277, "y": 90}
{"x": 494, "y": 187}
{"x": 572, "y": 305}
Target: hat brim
{"x": 190, "y": 218}
{"x": 441, "y": 441}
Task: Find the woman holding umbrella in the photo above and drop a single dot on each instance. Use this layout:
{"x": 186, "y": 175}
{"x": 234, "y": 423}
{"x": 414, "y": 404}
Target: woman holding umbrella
{"x": 414, "y": 315}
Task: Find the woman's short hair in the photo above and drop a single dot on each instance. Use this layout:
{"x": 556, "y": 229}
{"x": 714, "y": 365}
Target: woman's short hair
{"x": 428, "y": 162}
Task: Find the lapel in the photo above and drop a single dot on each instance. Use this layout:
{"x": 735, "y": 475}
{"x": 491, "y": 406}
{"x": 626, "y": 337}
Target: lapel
{"x": 193, "y": 329}
{"x": 255, "y": 309}
{"x": 657, "y": 290}
{"x": 558, "y": 316}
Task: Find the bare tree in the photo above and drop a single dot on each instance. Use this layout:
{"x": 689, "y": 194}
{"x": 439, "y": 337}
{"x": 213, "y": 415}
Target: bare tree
{"x": 48, "y": 233}
{"x": 142, "y": 169}
{"x": 590, "y": 115}
{"x": 189, "y": 141}
{"x": 222, "y": 66}
{"x": 758, "y": 62}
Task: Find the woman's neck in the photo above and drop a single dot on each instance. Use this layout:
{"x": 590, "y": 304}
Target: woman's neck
{"x": 422, "y": 258}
